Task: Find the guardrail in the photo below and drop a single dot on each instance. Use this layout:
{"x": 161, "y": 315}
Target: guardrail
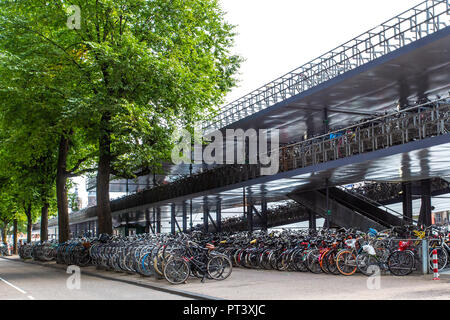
{"x": 383, "y": 192}
{"x": 414, "y": 24}
{"x": 379, "y": 205}
{"x": 415, "y": 123}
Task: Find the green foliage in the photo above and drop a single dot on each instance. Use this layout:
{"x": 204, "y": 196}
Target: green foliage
{"x": 150, "y": 65}
{"x": 133, "y": 72}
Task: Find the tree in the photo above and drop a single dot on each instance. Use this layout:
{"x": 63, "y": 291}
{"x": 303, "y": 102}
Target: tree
{"x": 8, "y": 207}
{"x": 40, "y": 110}
{"x": 141, "y": 69}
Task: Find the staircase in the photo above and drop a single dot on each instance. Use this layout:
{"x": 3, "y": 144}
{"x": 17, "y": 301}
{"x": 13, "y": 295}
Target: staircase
{"x": 347, "y": 210}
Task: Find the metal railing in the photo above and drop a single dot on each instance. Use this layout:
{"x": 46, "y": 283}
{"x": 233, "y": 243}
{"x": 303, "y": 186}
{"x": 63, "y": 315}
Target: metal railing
{"x": 382, "y": 192}
{"x": 414, "y": 24}
{"x": 415, "y": 123}
{"x": 381, "y": 206}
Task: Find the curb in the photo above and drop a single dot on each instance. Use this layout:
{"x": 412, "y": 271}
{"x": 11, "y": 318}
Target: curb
{"x": 445, "y": 274}
{"x": 183, "y": 293}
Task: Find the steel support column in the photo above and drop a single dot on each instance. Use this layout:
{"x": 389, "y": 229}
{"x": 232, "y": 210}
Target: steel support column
{"x": 191, "y": 224}
{"x": 184, "y": 217}
{"x": 219, "y": 216}
{"x": 325, "y": 120}
{"x": 407, "y": 202}
{"x": 158, "y": 220}
{"x": 264, "y": 214}
{"x": 127, "y": 232}
{"x": 328, "y": 213}
{"x": 425, "y": 208}
{"x": 172, "y": 218}
{"x": 250, "y": 218}
{"x": 312, "y": 220}
{"x": 147, "y": 221}
{"x": 153, "y": 222}
{"x": 244, "y": 203}
{"x": 205, "y": 216}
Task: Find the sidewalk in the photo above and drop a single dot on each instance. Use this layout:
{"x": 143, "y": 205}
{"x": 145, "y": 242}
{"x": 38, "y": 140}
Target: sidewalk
{"x": 247, "y": 284}
{"x": 130, "y": 278}
{"x": 445, "y": 274}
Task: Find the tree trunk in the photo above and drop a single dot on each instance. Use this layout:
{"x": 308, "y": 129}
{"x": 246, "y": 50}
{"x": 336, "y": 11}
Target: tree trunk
{"x": 103, "y": 176}
{"x": 44, "y": 222}
{"x": 4, "y": 233}
{"x": 15, "y": 237}
{"x": 29, "y": 223}
{"x": 61, "y": 191}
{"x": 29, "y": 229}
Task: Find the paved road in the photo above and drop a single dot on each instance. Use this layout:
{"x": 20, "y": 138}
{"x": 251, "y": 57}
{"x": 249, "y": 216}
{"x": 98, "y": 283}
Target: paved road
{"x": 25, "y": 281}
{"x": 19, "y": 280}
{"x": 270, "y": 284}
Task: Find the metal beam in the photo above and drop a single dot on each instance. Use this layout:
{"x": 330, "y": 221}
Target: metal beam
{"x": 127, "y": 231}
{"x": 184, "y": 216}
{"x": 425, "y": 208}
{"x": 172, "y": 218}
{"x": 264, "y": 214}
{"x": 256, "y": 211}
{"x": 312, "y": 220}
{"x": 350, "y": 111}
{"x": 190, "y": 214}
{"x": 250, "y": 218}
{"x": 325, "y": 121}
{"x": 147, "y": 220}
{"x": 205, "y": 216}
{"x": 212, "y": 221}
{"x": 327, "y": 199}
{"x": 407, "y": 202}
{"x": 178, "y": 226}
{"x": 219, "y": 215}
{"x": 158, "y": 220}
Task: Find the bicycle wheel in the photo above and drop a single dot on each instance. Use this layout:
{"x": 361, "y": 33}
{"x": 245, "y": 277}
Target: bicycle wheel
{"x": 265, "y": 259}
{"x": 176, "y": 270}
{"x": 331, "y": 262}
{"x": 401, "y": 263}
{"x": 158, "y": 262}
{"x": 298, "y": 260}
{"x": 442, "y": 258}
{"x": 346, "y": 262}
{"x": 146, "y": 265}
{"x": 312, "y": 261}
{"x": 364, "y": 261}
{"x": 219, "y": 267}
{"x": 323, "y": 262}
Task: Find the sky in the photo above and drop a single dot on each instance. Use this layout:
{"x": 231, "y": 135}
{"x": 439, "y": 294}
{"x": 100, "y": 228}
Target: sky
{"x": 277, "y": 36}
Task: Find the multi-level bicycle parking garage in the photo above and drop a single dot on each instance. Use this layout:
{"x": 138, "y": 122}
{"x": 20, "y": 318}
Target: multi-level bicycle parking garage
{"x": 364, "y": 136}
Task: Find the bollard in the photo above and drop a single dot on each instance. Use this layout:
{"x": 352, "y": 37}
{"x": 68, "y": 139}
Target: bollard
{"x": 425, "y": 257}
{"x": 435, "y": 265}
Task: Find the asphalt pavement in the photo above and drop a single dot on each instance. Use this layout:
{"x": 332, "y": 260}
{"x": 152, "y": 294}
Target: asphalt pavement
{"x": 34, "y": 280}
{"x": 26, "y": 281}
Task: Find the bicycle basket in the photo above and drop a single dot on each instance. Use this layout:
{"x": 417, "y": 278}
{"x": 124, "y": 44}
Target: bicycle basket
{"x": 403, "y": 245}
{"x": 369, "y": 249}
{"x": 372, "y": 232}
{"x": 350, "y": 242}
